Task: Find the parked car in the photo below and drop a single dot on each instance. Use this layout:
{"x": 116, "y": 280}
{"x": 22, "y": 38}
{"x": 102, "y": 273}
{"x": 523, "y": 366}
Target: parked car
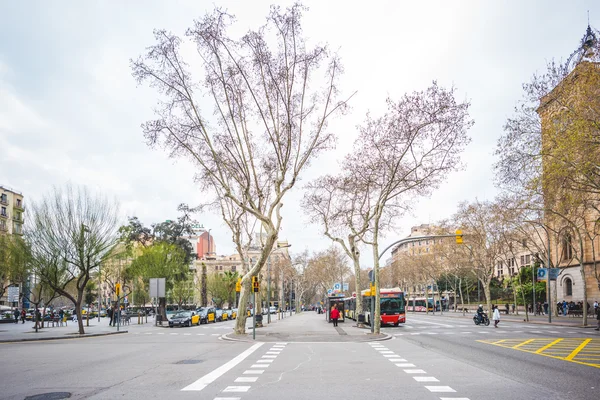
{"x": 219, "y": 314}
{"x": 207, "y": 314}
{"x": 184, "y": 318}
{"x": 273, "y": 310}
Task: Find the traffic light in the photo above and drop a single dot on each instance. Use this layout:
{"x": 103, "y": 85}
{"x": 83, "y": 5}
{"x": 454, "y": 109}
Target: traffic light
{"x": 459, "y": 236}
{"x": 238, "y": 285}
{"x": 255, "y": 284}
{"x": 118, "y": 289}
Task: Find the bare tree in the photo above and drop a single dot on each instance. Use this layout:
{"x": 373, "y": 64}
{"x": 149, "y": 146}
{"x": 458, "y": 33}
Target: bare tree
{"x": 76, "y": 231}
{"x": 407, "y": 152}
{"x": 256, "y": 119}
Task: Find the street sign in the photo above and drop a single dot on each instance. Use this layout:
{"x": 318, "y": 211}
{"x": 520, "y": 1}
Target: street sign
{"x": 329, "y": 291}
{"x": 337, "y": 286}
{"x": 371, "y": 276}
{"x": 346, "y": 287}
{"x": 542, "y": 274}
{"x": 554, "y": 272}
{"x": 157, "y": 287}
{"x": 13, "y": 294}
{"x": 126, "y": 300}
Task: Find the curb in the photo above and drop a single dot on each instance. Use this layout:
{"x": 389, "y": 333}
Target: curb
{"x": 226, "y": 337}
{"x": 75, "y": 336}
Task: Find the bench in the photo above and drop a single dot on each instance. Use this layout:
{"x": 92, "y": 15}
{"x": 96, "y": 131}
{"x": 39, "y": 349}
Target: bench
{"x": 575, "y": 313}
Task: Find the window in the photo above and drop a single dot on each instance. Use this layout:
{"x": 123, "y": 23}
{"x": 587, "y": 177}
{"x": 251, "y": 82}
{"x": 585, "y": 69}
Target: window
{"x": 528, "y": 259}
{"x": 18, "y": 202}
{"x": 567, "y": 247}
{"x": 216, "y": 267}
{"x": 3, "y": 198}
{"x": 3, "y": 211}
{"x": 568, "y": 287}
{"x": 522, "y": 260}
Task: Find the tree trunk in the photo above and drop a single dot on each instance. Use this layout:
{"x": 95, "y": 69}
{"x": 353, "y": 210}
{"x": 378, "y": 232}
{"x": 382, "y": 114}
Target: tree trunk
{"x": 78, "y": 311}
{"x": 240, "y": 322}
{"x": 203, "y": 294}
{"x": 375, "y": 318}
{"x": 488, "y": 295}
{"x": 356, "y": 260}
{"x": 582, "y": 268}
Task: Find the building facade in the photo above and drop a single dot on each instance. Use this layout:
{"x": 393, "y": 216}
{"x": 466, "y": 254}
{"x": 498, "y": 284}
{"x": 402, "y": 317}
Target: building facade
{"x": 12, "y": 211}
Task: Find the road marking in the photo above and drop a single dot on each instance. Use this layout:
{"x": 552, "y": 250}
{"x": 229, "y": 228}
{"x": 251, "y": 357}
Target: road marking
{"x": 148, "y": 333}
{"x": 390, "y": 355}
{"x": 414, "y": 371}
{"x": 246, "y": 379}
{"x": 451, "y": 398}
{"x": 439, "y": 389}
{"x": 200, "y": 334}
{"x": 436, "y": 323}
{"x": 578, "y": 349}
{"x": 160, "y": 333}
{"x": 212, "y": 376}
{"x": 540, "y": 350}
{"x": 253, "y": 371}
{"x": 265, "y": 361}
{"x": 405, "y": 365}
{"x": 215, "y": 334}
{"x": 386, "y": 352}
{"x": 236, "y": 389}
{"x": 523, "y": 343}
{"x": 267, "y": 356}
{"x": 425, "y": 379}
{"x": 227, "y": 398}
{"x": 273, "y": 352}
{"x": 415, "y": 333}
{"x": 259, "y": 365}
{"x": 397, "y": 360}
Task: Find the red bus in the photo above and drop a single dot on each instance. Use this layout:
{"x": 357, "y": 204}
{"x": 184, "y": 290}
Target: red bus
{"x": 391, "y": 302}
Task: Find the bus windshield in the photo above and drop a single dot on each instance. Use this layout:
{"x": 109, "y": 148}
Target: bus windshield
{"x": 392, "y": 305}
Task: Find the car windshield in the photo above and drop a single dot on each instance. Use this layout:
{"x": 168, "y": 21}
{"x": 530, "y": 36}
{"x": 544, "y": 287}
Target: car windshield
{"x": 182, "y": 314}
{"x": 392, "y": 305}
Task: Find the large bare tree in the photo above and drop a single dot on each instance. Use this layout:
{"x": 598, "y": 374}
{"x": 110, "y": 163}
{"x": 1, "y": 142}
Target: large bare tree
{"x": 256, "y": 118}
{"x": 407, "y": 152}
{"x": 71, "y": 232}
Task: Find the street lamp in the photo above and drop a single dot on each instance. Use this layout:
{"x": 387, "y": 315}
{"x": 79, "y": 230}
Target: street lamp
{"x": 548, "y": 281}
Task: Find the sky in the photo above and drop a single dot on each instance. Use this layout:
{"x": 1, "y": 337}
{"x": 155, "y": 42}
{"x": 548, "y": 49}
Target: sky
{"x": 70, "y": 110}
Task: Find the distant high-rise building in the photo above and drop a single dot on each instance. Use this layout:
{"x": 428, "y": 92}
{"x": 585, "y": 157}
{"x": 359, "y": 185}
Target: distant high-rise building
{"x": 206, "y": 245}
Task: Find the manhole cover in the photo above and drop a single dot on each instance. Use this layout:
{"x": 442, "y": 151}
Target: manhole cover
{"x": 189, "y": 362}
{"x": 50, "y": 396}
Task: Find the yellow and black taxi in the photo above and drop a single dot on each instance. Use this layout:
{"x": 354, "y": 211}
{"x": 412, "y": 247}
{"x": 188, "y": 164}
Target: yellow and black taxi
{"x": 184, "y": 318}
{"x": 207, "y": 314}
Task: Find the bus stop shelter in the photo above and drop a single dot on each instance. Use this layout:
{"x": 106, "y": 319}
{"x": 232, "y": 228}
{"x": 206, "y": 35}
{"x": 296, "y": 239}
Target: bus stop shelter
{"x": 337, "y": 300}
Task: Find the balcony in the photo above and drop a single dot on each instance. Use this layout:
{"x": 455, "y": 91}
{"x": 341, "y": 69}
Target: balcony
{"x": 4, "y": 201}
{"x": 19, "y": 206}
{"x": 3, "y": 215}
{"x": 18, "y": 218}
{"x": 3, "y": 228}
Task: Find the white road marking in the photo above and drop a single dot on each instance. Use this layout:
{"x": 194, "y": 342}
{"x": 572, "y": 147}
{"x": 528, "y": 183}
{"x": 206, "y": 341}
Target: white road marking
{"x": 264, "y": 361}
{"x": 405, "y": 365}
{"x": 236, "y": 389}
{"x": 386, "y": 352}
{"x": 160, "y": 333}
{"x": 283, "y": 343}
{"x": 148, "y": 333}
{"x": 416, "y": 333}
{"x": 440, "y": 389}
{"x": 273, "y": 352}
{"x": 454, "y": 398}
{"x": 246, "y": 379}
{"x": 200, "y": 334}
{"x": 212, "y": 376}
{"x": 227, "y": 398}
{"x": 390, "y": 355}
{"x": 174, "y": 333}
{"x": 436, "y": 323}
{"x": 414, "y": 371}
{"x": 215, "y": 334}
{"x": 254, "y": 371}
{"x": 267, "y": 356}
{"x": 397, "y": 360}
{"x": 186, "y": 334}
{"x": 425, "y": 379}
{"x": 259, "y": 365}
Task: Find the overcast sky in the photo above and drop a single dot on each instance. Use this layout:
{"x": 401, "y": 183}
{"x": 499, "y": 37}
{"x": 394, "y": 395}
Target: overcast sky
{"x": 70, "y": 110}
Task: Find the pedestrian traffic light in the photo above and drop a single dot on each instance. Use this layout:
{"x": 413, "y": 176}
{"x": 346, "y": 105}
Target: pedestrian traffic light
{"x": 118, "y": 289}
{"x": 459, "y": 236}
{"x": 255, "y": 284}
{"x": 238, "y": 285}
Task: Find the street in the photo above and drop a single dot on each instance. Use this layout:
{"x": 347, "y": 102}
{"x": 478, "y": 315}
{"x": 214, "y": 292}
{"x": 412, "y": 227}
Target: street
{"x": 430, "y": 357}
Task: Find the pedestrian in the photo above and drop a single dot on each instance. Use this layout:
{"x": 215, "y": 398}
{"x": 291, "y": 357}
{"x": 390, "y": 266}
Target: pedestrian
{"x": 496, "y": 315}
{"x": 110, "y": 316}
{"x": 513, "y": 308}
{"x": 546, "y": 307}
{"x": 334, "y": 314}
{"x": 16, "y": 313}
{"x": 598, "y": 318}
{"x": 564, "y": 307}
{"x": 595, "y": 305}
{"x": 23, "y": 315}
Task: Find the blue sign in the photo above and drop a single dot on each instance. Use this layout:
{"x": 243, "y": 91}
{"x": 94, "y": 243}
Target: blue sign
{"x": 337, "y": 286}
{"x": 542, "y": 274}
{"x": 346, "y": 286}
{"x": 554, "y": 272}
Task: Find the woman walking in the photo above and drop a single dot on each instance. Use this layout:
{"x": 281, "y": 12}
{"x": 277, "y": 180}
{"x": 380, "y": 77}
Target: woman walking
{"x": 496, "y": 316}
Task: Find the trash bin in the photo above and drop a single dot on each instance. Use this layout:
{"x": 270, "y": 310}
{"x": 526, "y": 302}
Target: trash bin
{"x": 361, "y": 318}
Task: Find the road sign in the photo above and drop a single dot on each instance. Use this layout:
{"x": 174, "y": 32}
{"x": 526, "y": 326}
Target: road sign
{"x": 337, "y": 286}
{"x": 346, "y": 286}
{"x": 554, "y": 272}
{"x": 157, "y": 287}
{"x": 238, "y": 285}
{"x": 13, "y": 294}
{"x": 329, "y": 291}
{"x": 542, "y": 274}
{"x": 126, "y": 300}
{"x": 371, "y": 276}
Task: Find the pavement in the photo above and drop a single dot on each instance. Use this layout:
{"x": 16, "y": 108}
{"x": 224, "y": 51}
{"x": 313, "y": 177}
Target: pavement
{"x": 560, "y": 320}
{"x": 302, "y": 328}
{"x": 10, "y": 332}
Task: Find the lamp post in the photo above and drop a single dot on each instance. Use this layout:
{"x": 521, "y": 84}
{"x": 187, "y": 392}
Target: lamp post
{"x": 548, "y": 263}
{"x": 269, "y": 283}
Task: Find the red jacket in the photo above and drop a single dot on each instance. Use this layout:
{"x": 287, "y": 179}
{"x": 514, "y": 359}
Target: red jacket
{"x": 335, "y": 314}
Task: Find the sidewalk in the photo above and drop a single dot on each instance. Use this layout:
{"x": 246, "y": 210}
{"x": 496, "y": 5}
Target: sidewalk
{"x": 575, "y": 322}
{"x": 307, "y": 326}
{"x": 10, "y": 332}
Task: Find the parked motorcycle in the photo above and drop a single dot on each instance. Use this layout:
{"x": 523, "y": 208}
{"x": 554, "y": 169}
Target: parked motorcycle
{"x": 484, "y": 319}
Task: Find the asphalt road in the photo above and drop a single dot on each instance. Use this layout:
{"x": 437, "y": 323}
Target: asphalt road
{"x": 428, "y": 358}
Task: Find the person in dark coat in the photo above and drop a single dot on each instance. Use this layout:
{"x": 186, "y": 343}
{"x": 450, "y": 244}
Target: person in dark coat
{"x": 110, "y": 315}
{"x": 16, "y": 314}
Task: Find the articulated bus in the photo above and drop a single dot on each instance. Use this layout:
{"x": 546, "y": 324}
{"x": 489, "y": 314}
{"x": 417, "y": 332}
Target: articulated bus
{"x": 391, "y": 305}
{"x": 418, "y": 304}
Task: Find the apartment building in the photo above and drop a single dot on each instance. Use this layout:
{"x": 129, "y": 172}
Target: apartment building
{"x": 12, "y": 211}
